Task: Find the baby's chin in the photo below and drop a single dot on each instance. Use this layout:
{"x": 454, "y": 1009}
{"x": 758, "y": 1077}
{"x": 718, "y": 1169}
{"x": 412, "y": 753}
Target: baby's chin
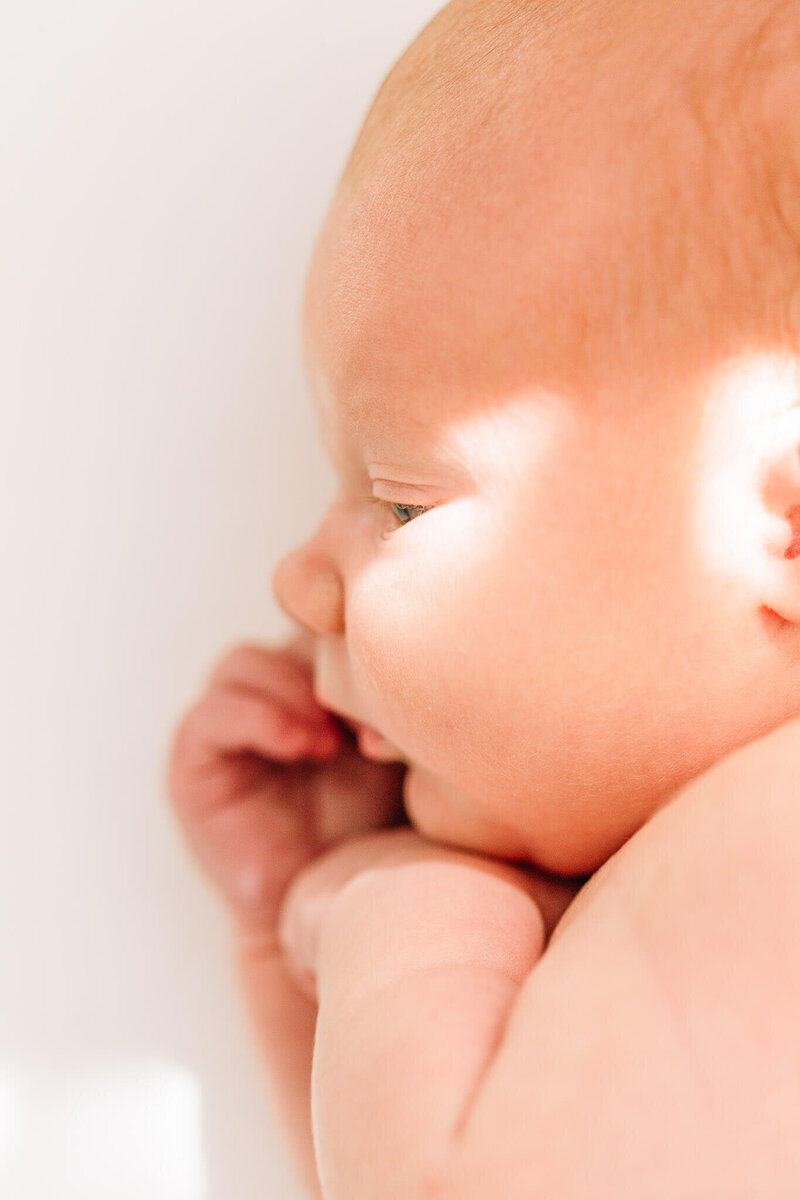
{"x": 444, "y": 814}
{"x": 439, "y": 812}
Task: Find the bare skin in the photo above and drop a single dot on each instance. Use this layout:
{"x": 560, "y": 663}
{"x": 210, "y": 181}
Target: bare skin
{"x": 557, "y": 597}
{"x": 262, "y": 781}
{"x": 621, "y": 951}
{"x": 652, "y": 1051}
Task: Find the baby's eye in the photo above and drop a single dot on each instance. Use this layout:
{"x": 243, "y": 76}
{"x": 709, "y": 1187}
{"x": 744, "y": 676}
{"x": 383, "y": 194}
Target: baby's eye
{"x": 407, "y": 512}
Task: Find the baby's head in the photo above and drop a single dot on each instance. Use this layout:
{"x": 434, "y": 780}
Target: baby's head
{"x": 552, "y": 328}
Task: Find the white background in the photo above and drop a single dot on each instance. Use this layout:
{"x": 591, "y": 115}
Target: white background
{"x": 165, "y": 165}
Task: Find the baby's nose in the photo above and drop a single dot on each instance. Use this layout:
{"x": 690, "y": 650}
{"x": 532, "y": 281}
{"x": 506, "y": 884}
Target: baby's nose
{"x": 309, "y": 589}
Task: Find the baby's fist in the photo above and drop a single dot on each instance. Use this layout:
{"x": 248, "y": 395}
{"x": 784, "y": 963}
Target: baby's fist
{"x": 262, "y": 779}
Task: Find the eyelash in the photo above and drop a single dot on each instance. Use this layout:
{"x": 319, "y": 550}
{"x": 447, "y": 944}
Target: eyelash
{"x": 415, "y": 509}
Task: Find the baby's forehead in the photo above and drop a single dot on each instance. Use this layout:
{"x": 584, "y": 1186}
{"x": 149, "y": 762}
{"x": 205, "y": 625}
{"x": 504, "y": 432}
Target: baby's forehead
{"x": 424, "y": 289}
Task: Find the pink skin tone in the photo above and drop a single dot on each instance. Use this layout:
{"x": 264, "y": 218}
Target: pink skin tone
{"x": 583, "y": 648}
{"x": 596, "y": 605}
{"x": 533, "y": 646}
{"x": 652, "y": 1049}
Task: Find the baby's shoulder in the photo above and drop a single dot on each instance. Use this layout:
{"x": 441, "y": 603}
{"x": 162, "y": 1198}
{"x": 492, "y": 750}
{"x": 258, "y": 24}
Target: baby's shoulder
{"x": 712, "y": 881}
{"x": 655, "y": 1047}
{"x": 730, "y": 838}
{"x": 700, "y": 912}
{"x": 724, "y": 851}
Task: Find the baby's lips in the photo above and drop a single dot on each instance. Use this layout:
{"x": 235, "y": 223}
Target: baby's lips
{"x": 374, "y": 745}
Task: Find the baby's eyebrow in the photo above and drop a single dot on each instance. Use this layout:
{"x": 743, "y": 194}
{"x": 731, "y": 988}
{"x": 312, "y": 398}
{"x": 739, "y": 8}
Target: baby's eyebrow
{"x": 405, "y": 470}
{"x": 401, "y": 435}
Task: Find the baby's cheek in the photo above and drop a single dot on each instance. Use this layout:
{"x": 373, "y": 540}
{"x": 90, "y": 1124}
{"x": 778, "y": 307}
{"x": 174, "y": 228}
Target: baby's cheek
{"x": 424, "y": 686}
{"x": 405, "y": 671}
{"x": 439, "y": 669}
{"x": 392, "y": 662}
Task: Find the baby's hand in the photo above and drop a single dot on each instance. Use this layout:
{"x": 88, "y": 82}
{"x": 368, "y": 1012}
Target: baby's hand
{"x": 320, "y": 887}
{"x": 418, "y": 951}
{"x": 262, "y": 778}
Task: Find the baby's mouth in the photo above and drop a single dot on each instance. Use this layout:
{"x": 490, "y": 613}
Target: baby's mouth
{"x": 371, "y": 744}
{"x": 374, "y": 745}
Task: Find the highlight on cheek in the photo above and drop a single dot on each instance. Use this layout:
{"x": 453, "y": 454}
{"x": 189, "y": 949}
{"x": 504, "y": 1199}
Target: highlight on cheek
{"x": 473, "y": 452}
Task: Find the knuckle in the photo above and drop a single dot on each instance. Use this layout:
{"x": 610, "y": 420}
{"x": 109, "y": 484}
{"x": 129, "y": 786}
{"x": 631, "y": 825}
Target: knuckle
{"x": 184, "y": 735}
{"x": 262, "y": 670}
{"x": 236, "y": 659}
{"x": 223, "y": 665}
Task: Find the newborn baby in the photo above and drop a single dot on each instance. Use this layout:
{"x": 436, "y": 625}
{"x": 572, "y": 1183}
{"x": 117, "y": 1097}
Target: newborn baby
{"x": 552, "y": 333}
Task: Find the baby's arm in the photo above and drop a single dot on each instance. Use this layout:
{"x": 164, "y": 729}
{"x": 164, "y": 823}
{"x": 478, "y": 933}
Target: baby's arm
{"x": 418, "y": 959}
{"x": 653, "y": 1050}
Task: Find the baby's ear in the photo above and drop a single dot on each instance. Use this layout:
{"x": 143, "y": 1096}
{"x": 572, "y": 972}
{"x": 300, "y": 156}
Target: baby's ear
{"x": 780, "y": 496}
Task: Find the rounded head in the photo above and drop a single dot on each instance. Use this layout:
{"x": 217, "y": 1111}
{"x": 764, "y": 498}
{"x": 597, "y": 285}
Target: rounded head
{"x": 551, "y": 333}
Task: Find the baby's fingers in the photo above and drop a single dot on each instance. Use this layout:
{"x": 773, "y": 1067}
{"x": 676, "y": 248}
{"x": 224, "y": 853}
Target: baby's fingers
{"x": 283, "y": 675}
{"x": 220, "y": 739}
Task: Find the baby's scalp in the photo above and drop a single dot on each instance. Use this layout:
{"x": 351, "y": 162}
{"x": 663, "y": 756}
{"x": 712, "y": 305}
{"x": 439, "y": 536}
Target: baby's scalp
{"x": 602, "y": 188}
